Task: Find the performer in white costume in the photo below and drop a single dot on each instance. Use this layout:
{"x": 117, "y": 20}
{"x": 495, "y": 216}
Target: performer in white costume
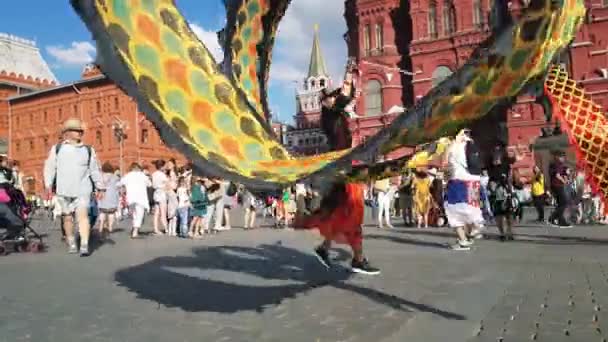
{"x": 462, "y": 195}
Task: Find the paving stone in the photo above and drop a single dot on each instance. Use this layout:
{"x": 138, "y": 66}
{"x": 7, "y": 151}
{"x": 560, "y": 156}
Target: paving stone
{"x": 265, "y": 285}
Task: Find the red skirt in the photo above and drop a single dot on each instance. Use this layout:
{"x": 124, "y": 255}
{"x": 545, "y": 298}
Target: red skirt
{"x": 343, "y": 223}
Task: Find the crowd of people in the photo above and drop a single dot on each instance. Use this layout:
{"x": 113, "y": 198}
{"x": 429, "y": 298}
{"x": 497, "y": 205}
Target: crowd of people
{"x": 417, "y": 197}
{"x": 182, "y": 204}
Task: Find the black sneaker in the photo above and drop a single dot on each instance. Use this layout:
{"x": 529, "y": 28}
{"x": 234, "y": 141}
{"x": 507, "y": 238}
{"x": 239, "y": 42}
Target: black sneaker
{"x": 323, "y": 256}
{"x": 364, "y": 267}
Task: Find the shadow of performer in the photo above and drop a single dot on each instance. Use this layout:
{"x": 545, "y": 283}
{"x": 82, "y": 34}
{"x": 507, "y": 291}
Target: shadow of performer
{"x": 280, "y": 273}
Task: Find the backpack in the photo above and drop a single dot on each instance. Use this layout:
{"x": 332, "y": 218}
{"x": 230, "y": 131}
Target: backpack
{"x": 231, "y": 191}
{"x": 474, "y": 164}
{"x": 57, "y": 148}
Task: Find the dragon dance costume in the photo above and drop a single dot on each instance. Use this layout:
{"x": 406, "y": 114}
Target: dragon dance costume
{"x": 214, "y": 114}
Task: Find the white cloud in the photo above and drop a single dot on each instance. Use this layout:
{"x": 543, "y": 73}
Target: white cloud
{"x": 77, "y": 54}
{"x": 209, "y": 38}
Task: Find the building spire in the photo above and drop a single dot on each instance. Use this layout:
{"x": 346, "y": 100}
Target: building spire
{"x": 317, "y": 63}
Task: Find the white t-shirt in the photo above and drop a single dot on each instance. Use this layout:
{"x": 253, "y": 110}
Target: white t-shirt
{"x": 301, "y": 189}
{"x": 136, "y": 183}
{"x": 159, "y": 180}
{"x": 183, "y": 198}
{"x": 457, "y": 163}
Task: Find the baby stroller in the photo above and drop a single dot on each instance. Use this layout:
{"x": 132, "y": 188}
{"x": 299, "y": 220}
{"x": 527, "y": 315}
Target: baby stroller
{"x": 16, "y": 234}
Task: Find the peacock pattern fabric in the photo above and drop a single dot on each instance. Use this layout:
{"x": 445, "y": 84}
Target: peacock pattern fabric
{"x": 247, "y": 41}
{"x": 148, "y": 49}
{"x": 586, "y": 125}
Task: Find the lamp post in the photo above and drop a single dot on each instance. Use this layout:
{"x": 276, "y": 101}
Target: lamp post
{"x": 119, "y": 129}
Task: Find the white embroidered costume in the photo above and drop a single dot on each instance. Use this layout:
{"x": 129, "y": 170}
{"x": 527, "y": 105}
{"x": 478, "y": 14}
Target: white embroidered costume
{"x": 462, "y": 195}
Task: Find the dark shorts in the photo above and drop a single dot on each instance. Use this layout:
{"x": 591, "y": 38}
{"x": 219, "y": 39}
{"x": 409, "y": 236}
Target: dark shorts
{"x": 107, "y": 211}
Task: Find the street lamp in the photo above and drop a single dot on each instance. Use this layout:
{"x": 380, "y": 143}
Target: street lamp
{"x": 119, "y": 129}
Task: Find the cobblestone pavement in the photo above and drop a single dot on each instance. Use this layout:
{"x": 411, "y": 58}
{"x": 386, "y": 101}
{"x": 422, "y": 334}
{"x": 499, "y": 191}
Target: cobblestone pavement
{"x": 265, "y": 285}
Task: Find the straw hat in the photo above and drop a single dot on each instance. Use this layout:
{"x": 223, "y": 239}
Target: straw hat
{"x": 73, "y": 124}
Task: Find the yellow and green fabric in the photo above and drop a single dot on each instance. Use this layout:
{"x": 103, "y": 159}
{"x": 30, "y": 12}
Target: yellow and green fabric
{"x": 248, "y": 40}
{"x": 214, "y": 115}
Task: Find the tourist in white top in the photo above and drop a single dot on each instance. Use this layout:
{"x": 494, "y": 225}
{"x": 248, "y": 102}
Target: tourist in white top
{"x": 183, "y": 206}
{"x": 172, "y": 201}
{"x": 160, "y": 183}
{"x": 136, "y": 184}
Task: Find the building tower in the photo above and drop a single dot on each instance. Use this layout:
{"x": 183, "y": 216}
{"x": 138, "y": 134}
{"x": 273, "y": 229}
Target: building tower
{"x": 307, "y": 137}
{"x": 22, "y": 70}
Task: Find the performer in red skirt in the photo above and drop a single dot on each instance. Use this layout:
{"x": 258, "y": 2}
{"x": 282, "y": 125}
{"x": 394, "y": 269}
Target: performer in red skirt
{"x": 340, "y": 220}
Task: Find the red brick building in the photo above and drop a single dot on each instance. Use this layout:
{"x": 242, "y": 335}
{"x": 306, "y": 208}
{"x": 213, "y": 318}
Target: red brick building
{"x": 36, "y": 120}
{"x": 433, "y": 38}
{"x": 378, "y": 37}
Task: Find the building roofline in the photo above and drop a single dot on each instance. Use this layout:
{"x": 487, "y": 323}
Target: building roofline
{"x": 18, "y": 84}
{"x": 57, "y": 88}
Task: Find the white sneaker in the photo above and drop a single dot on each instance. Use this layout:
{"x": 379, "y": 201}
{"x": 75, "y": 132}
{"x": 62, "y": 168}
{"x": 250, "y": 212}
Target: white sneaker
{"x": 476, "y": 234}
{"x": 465, "y": 243}
{"x": 458, "y": 247}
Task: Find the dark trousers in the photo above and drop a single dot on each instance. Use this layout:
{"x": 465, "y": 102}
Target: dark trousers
{"x": 10, "y": 221}
{"x": 539, "y": 204}
{"x": 562, "y": 203}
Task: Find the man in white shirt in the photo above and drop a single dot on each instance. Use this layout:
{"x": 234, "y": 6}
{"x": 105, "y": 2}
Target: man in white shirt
{"x": 73, "y": 173}
{"x": 462, "y": 201}
{"x": 136, "y": 184}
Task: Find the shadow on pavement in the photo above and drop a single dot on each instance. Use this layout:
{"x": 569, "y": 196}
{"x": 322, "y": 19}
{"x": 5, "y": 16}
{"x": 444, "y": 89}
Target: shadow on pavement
{"x": 407, "y": 241}
{"x": 539, "y": 239}
{"x": 215, "y": 278}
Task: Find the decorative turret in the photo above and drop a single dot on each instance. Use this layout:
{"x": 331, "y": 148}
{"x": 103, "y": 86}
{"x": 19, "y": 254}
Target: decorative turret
{"x": 21, "y": 63}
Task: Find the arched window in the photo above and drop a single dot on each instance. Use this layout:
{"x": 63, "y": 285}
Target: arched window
{"x": 322, "y": 83}
{"x": 379, "y": 38}
{"x": 367, "y": 40}
{"x": 116, "y": 103}
{"x": 441, "y": 73}
{"x": 98, "y": 138}
{"x": 98, "y": 106}
{"x": 433, "y": 19}
{"x": 45, "y": 115}
{"x": 477, "y": 14}
{"x": 373, "y": 98}
{"x": 449, "y": 17}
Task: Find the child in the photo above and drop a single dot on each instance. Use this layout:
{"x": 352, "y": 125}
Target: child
{"x": 183, "y": 206}
{"x": 199, "y": 202}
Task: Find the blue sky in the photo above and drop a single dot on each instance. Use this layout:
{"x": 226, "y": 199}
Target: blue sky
{"x": 67, "y": 46}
